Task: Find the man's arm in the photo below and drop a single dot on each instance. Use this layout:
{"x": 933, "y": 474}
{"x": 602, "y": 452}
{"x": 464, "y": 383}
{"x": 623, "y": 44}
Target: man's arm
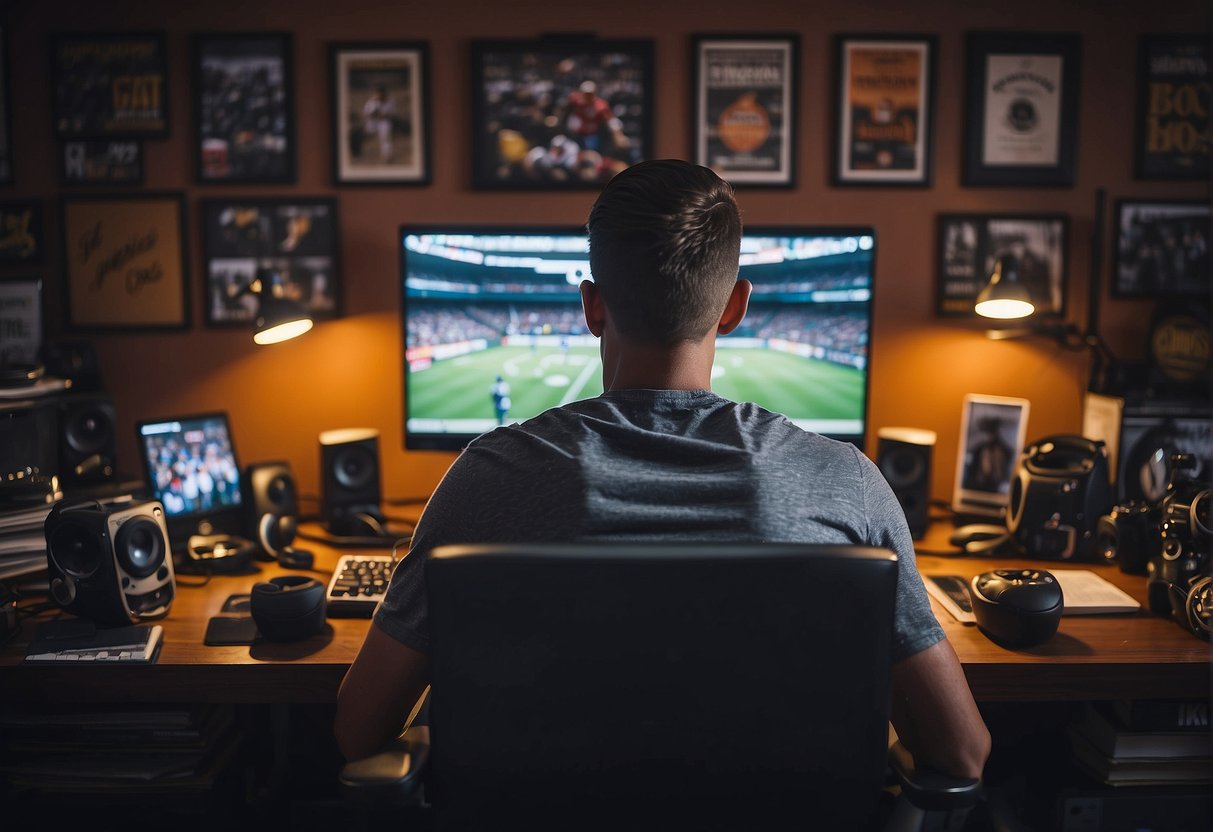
{"x": 934, "y": 713}
{"x": 380, "y": 689}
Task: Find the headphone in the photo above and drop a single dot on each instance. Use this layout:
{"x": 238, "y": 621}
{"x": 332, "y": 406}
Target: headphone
{"x": 288, "y": 607}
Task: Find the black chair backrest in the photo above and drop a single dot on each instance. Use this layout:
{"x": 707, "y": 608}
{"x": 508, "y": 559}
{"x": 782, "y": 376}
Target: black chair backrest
{"x": 700, "y": 685}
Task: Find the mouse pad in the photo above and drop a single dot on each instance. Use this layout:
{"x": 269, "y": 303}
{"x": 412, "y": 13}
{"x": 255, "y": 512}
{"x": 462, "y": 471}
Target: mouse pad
{"x": 223, "y": 630}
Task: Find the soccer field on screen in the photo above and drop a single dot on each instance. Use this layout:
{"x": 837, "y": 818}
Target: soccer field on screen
{"x": 544, "y": 377}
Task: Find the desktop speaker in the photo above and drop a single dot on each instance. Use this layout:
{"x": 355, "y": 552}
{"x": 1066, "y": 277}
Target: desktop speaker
{"x": 273, "y": 506}
{"x": 349, "y": 466}
{"x": 87, "y": 438}
{"x": 904, "y": 457}
{"x": 110, "y": 564}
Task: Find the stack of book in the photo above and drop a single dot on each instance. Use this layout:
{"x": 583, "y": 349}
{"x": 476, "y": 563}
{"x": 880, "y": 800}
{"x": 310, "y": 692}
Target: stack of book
{"x": 23, "y": 541}
{"x": 1144, "y": 742}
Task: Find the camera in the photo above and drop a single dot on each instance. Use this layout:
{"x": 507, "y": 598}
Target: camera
{"x": 1180, "y": 576}
{"x": 1129, "y": 535}
{"x": 1059, "y": 492}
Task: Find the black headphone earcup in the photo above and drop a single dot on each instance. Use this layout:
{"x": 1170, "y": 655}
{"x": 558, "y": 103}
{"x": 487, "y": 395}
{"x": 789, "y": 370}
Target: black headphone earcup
{"x": 288, "y": 607}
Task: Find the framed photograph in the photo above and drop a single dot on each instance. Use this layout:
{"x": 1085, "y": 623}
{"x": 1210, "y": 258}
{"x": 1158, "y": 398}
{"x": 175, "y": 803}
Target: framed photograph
{"x": 992, "y": 432}
{"x": 244, "y": 107}
{"x": 744, "y": 94}
{"x": 559, "y": 113}
{"x": 969, "y": 245}
{"x": 125, "y": 261}
{"x": 292, "y": 243}
{"x": 1172, "y": 107}
{"x": 20, "y": 321}
{"x": 381, "y": 113}
{"x": 111, "y": 85}
{"x": 6, "y": 115}
{"x": 885, "y": 107}
{"x": 1162, "y": 249}
{"x": 1022, "y": 101}
{"x": 22, "y": 238}
{"x": 102, "y": 163}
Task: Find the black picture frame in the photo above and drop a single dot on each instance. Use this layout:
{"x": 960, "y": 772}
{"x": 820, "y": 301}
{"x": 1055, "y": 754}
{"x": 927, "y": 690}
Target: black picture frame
{"x": 510, "y": 134}
{"x": 109, "y": 85}
{"x": 125, "y": 262}
{"x": 1173, "y": 102}
{"x": 402, "y": 70}
{"x": 6, "y": 112}
{"x": 969, "y": 244}
{"x": 884, "y": 110}
{"x": 1161, "y": 249}
{"x": 91, "y": 163}
{"x": 744, "y": 97}
{"x": 229, "y": 68}
{"x": 293, "y": 241}
{"x": 22, "y": 233}
{"x": 1021, "y": 126}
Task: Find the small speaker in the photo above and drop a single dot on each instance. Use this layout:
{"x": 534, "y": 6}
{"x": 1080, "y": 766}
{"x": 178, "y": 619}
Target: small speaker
{"x": 349, "y": 465}
{"x": 904, "y": 457}
{"x": 110, "y": 564}
{"x": 273, "y": 506}
{"x": 88, "y": 442}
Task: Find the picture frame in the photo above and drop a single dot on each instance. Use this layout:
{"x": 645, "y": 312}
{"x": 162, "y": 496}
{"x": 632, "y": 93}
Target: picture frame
{"x": 992, "y": 434}
{"x": 381, "y": 113}
{"x": 125, "y": 261}
{"x": 292, "y": 242}
{"x": 20, "y": 321}
{"x": 89, "y": 163}
{"x": 108, "y": 85}
{"x": 6, "y": 115}
{"x": 884, "y": 109}
{"x": 969, "y": 245}
{"x": 744, "y": 100}
{"x": 244, "y": 107}
{"x": 1162, "y": 249}
{"x": 528, "y": 130}
{"x": 22, "y": 232}
{"x": 1022, "y": 97}
{"x": 1172, "y": 107}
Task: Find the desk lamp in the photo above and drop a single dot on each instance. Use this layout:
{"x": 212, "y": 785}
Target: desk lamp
{"x": 278, "y": 318}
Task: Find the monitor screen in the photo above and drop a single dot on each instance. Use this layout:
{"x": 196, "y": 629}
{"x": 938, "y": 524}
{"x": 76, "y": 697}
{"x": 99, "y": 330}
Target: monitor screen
{"x": 494, "y": 331}
{"x": 191, "y": 468}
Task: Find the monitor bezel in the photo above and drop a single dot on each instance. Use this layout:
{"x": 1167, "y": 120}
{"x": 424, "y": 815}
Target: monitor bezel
{"x": 458, "y": 441}
{"x": 226, "y": 520}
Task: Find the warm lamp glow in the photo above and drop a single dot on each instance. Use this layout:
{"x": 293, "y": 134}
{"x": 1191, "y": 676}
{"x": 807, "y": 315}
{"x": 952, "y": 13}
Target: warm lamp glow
{"x": 1004, "y": 297}
{"x": 1004, "y": 308}
{"x": 282, "y": 332}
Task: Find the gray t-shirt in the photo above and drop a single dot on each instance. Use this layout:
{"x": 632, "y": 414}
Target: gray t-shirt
{"x": 660, "y": 465}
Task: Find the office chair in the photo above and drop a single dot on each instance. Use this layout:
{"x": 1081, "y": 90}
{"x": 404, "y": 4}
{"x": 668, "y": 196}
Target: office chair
{"x": 632, "y": 686}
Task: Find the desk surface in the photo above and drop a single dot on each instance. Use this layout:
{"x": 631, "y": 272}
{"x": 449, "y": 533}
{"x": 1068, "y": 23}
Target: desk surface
{"x": 1091, "y": 657}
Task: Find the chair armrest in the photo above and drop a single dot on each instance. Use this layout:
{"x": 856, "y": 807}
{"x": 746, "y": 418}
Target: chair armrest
{"x": 928, "y": 789}
{"x": 393, "y": 775}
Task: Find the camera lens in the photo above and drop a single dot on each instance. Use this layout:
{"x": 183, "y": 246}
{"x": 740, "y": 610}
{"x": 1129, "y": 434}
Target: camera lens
{"x": 76, "y": 550}
{"x": 140, "y": 546}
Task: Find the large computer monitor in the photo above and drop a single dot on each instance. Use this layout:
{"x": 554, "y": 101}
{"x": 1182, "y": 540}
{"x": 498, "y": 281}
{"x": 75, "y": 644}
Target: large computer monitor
{"x": 494, "y": 331}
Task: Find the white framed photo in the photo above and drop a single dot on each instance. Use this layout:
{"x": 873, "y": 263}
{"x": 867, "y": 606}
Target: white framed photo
{"x": 992, "y": 432}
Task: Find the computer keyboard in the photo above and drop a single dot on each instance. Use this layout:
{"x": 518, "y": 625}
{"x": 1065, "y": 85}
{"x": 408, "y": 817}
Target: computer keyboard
{"x": 138, "y": 644}
{"x": 358, "y": 582}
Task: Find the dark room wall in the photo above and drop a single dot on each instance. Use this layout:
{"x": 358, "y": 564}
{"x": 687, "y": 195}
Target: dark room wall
{"x": 348, "y": 372}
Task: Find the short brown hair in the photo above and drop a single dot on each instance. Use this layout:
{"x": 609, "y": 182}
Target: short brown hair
{"x": 665, "y": 236}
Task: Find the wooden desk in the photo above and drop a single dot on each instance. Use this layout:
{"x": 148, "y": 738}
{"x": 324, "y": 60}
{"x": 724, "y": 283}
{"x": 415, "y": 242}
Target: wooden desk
{"x": 1091, "y": 657}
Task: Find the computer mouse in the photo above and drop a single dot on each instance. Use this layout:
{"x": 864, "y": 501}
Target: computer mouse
{"x": 980, "y": 538}
{"x": 1017, "y": 607}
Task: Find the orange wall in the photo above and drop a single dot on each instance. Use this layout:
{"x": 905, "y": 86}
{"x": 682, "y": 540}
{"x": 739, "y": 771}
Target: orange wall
{"x": 348, "y": 372}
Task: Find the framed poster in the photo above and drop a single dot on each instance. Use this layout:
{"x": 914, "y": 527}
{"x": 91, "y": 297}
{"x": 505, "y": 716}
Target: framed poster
{"x": 1022, "y": 120}
{"x": 559, "y": 113}
{"x": 885, "y": 105}
{"x": 744, "y": 94}
{"x": 992, "y": 432}
{"x": 291, "y": 243}
{"x": 22, "y": 239}
{"x": 125, "y": 261}
{"x": 970, "y": 244}
{"x": 1162, "y": 249}
{"x": 244, "y": 110}
{"x": 6, "y": 115}
{"x": 1172, "y": 107}
{"x": 381, "y": 114}
{"x": 102, "y": 163}
{"x": 20, "y": 321}
{"x": 111, "y": 85}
